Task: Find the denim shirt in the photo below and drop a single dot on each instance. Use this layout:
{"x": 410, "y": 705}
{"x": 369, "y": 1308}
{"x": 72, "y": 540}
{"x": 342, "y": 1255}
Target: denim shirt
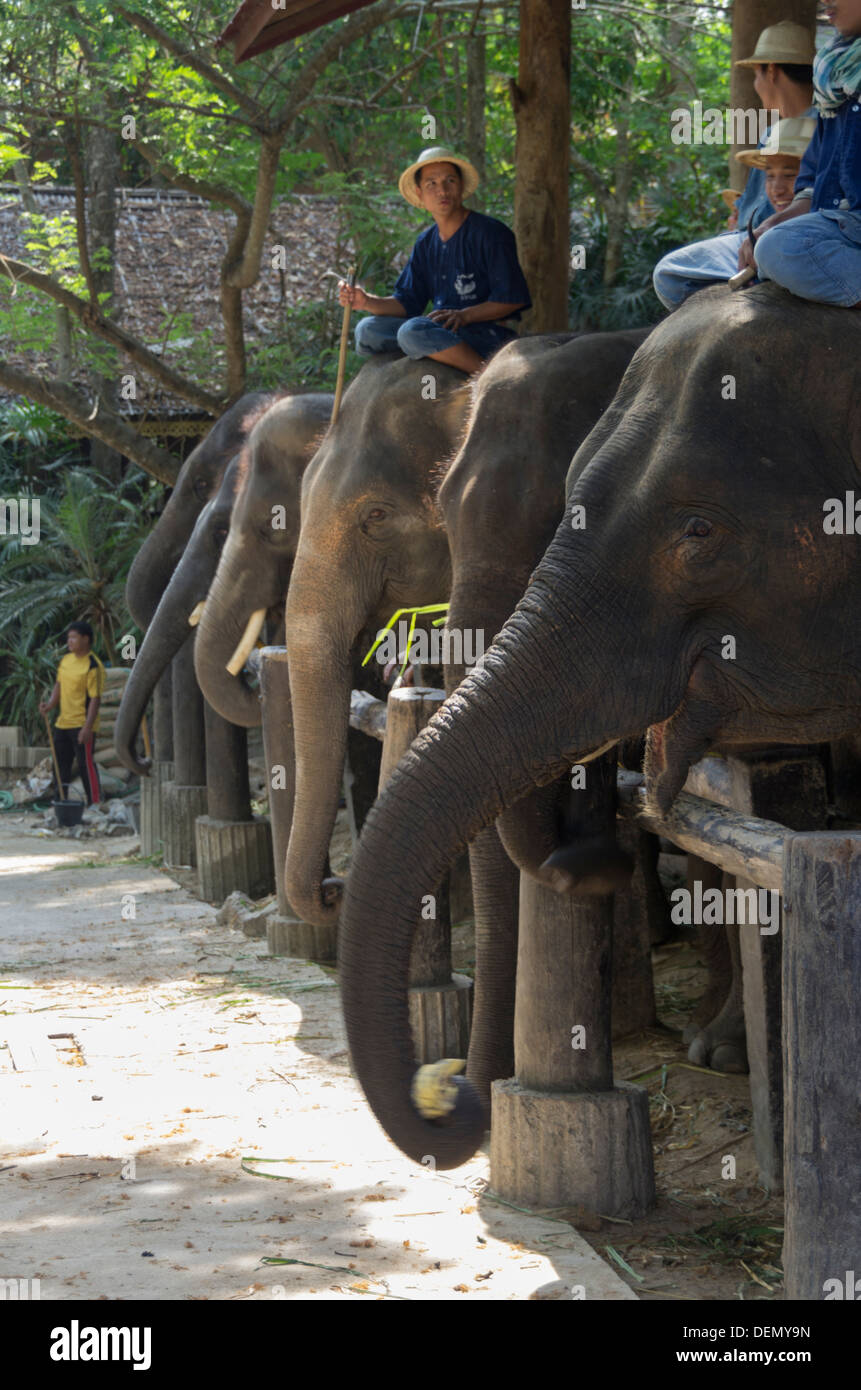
{"x": 832, "y": 164}
{"x": 753, "y": 200}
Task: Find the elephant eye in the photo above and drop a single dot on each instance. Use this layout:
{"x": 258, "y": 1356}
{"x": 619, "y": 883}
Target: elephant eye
{"x": 377, "y": 514}
{"x": 697, "y": 526}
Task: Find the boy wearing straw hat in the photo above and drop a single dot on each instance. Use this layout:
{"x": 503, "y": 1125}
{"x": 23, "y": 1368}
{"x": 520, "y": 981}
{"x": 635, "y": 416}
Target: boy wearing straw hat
{"x": 780, "y": 158}
{"x": 465, "y": 264}
{"x": 78, "y": 691}
{"x": 813, "y": 247}
{"x": 783, "y": 59}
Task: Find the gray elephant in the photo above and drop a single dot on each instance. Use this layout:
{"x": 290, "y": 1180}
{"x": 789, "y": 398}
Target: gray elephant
{"x": 198, "y": 481}
{"x": 695, "y": 513}
{"x": 501, "y": 500}
{"x": 280, "y": 443}
{"x": 370, "y": 543}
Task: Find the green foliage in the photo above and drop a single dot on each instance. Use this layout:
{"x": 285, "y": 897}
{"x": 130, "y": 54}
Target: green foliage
{"x": 89, "y": 535}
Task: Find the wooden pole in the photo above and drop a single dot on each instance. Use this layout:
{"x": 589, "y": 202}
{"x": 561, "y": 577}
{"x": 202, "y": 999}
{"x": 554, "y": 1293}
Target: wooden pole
{"x": 821, "y": 1046}
{"x": 342, "y": 350}
{"x": 54, "y": 756}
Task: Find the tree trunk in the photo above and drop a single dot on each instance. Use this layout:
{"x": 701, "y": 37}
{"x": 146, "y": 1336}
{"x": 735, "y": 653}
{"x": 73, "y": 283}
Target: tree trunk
{"x": 542, "y": 104}
{"x": 103, "y": 171}
{"x": 476, "y": 74}
{"x": 749, "y": 19}
{"x": 617, "y": 210}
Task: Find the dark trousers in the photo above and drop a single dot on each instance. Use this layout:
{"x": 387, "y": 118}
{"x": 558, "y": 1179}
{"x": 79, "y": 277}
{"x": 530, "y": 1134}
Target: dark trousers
{"x": 68, "y": 749}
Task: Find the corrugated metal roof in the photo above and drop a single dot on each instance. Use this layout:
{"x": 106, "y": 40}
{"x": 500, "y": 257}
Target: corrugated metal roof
{"x": 258, "y": 26}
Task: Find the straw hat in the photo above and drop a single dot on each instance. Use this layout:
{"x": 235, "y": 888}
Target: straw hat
{"x": 789, "y": 137}
{"x": 782, "y": 43}
{"x": 729, "y": 196}
{"x": 434, "y": 155}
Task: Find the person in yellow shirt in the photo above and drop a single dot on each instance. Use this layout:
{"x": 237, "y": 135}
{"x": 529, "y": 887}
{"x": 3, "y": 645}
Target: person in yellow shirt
{"x": 78, "y": 692}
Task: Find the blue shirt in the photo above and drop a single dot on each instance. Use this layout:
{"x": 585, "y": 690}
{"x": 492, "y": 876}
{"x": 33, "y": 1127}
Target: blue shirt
{"x": 477, "y": 264}
{"x": 832, "y": 163}
{"x": 754, "y": 199}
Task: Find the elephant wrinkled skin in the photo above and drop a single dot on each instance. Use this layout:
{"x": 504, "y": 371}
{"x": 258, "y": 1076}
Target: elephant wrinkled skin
{"x": 703, "y": 520}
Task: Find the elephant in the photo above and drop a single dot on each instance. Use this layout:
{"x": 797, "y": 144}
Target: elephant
{"x": 281, "y": 432}
{"x": 370, "y": 543}
{"x": 694, "y": 515}
{"x": 198, "y": 480}
{"x": 255, "y": 565}
{"x": 532, "y": 406}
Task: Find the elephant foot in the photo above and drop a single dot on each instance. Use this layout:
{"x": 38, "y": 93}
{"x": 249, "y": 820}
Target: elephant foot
{"x": 707, "y": 1009}
{"x": 721, "y": 1043}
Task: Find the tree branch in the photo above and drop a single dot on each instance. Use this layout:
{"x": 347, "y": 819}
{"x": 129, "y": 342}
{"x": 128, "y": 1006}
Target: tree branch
{"x": 97, "y": 420}
{"x": 195, "y": 61}
{"x": 357, "y": 26}
{"x": 212, "y": 192}
{"x": 590, "y": 173}
{"x": 20, "y": 273}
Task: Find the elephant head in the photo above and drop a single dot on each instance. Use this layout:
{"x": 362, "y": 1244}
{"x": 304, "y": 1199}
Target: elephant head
{"x": 198, "y": 481}
{"x": 177, "y": 608}
{"x": 254, "y": 570}
{"x": 370, "y": 544}
{"x": 694, "y": 588}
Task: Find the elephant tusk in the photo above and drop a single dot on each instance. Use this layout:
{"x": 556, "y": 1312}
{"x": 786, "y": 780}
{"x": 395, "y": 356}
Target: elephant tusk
{"x": 246, "y": 642}
{"x": 196, "y": 613}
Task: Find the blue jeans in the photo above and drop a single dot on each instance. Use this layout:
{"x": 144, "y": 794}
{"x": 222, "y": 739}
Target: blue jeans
{"x": 690, "y": 268}
{"x": 817, "y": 256}
{"x": 419, "y": 337}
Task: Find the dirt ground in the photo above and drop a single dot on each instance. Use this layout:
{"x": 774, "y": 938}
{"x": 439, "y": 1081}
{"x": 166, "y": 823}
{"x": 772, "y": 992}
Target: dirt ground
{"x": 162, "y": 1071}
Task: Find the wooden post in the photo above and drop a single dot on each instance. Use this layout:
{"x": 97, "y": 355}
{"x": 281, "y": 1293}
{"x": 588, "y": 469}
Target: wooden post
{"x": 822, "y": 1043}
{"x": 789, "y": 789}
{"x": 184, "y": 799}
{"x": 542, "y": 110}
{"x": 439, "y": 1000}
{"x": 562, "y": 1133}
{"x": 637, "y": 912}
{"x": 162, "y": 719}
{"x": 234, "y": 850}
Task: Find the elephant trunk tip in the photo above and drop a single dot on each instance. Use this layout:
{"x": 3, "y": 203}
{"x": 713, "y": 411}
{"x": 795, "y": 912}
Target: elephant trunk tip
{"x": 587, "y": 868}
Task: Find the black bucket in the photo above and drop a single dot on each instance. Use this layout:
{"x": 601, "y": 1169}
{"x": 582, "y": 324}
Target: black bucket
{"x": 68, "y": 813}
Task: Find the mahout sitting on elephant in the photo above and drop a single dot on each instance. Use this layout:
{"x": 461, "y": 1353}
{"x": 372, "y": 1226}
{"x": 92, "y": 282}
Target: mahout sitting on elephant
{"x": 699, "y": 515}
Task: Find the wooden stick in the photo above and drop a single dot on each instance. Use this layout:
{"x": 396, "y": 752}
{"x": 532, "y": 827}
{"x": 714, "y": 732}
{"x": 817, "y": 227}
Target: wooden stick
{"x": 146, "y": 738}
{"x": 342, "y": 352}
{"x": 54, "y": 755}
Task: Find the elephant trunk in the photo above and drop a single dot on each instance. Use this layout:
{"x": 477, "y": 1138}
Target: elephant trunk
{"x": 151, "y": 571}
{"x": 320, "y": 686}
{"x": 165, "y": 635}
{"x": 223, "y": 623}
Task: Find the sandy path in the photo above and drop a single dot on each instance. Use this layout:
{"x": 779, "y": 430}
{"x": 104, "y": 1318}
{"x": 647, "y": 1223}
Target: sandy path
{"x": 142, "y": 1059}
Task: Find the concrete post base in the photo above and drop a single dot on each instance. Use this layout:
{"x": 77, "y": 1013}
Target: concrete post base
{"x": 287, "y": 936}
{"x": 180, "y": 808}
{"x": 152, "y": 791}
{"x": 233, "y": 856}
{"x": 440, "y": 1017}
{"x": 586, "y": 1148}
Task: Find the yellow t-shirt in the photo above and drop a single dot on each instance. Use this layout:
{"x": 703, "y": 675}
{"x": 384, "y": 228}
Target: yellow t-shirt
{"x": 81, "y": 679}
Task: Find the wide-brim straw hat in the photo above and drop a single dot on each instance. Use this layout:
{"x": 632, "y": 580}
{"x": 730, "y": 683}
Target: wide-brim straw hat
{"x": 435, "y": 155}
{"x": 729, "y": 196}
{"x": 785, "y": 42}
{"x": 789, "y": 137}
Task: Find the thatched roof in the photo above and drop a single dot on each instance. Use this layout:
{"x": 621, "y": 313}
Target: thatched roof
{"x": 169, "y": 249}
{"x": 259, "y": 25}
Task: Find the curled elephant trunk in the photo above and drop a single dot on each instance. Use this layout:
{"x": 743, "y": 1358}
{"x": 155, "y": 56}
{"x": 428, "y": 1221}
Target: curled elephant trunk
{"x": 496, "y": 738}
